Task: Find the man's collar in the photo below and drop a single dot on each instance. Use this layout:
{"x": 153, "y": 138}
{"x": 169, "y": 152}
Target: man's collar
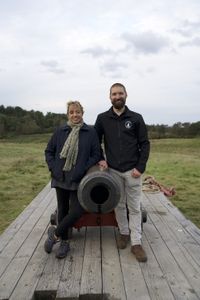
{"x": 112, "y": 113}
{"x": 119, "y": 112}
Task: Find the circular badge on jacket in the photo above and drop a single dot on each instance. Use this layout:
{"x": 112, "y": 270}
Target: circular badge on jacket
{"x": 128, "y": 124}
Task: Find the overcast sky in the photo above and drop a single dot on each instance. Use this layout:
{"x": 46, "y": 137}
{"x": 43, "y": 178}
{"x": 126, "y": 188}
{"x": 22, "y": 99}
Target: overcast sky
{"x": 52, "y": 51}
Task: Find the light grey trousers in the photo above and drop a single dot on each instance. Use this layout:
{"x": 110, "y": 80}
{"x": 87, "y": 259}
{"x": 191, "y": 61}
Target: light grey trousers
{"x": 131, "y": 193}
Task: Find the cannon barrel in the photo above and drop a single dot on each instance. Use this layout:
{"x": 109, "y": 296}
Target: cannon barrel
{"x": 98, "y": 191}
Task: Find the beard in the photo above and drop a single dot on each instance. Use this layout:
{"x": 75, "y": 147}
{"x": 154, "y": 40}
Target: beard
{"x": 119, "y": 104}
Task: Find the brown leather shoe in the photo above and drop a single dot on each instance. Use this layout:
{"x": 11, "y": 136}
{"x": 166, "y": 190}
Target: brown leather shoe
{"x": 122, "y": 241}
{"x": 139, "y": 253}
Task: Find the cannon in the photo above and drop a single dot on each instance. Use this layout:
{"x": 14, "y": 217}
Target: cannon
{"x": 98, "y": 193}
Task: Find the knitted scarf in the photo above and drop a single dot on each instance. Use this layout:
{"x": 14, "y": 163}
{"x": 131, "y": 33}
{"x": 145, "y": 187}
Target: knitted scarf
{"x": 70, "y": 147}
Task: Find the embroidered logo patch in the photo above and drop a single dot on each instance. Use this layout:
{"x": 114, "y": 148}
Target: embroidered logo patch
{"x": 128, "y": 124}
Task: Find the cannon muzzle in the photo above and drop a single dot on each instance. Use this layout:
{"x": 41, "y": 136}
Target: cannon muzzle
{"x": 98, "y": 191}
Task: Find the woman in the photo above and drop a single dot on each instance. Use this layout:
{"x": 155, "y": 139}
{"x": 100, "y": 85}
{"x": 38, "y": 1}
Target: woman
{"x": 71, "y": 151}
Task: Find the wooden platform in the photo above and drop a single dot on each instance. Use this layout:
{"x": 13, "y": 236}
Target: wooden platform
{"x": 95, "y": 269}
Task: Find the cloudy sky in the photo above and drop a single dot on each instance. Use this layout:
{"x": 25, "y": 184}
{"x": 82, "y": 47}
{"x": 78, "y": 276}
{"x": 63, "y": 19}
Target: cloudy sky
{"x": 52, "y": 51}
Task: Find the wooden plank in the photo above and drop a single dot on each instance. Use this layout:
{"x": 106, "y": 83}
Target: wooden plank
{"x": 192, "y": 229}
{"x": 24, "y": 290}
{"x": 113, "y": 282}
{"x": 17, "y": 265}
{"x": 135, "y": 285}
{"x": 156, "y": 282}
{"x": 50, "y": 278}
{"x": 15, "y": 226}
{"x": 16, "y": 242}
{"x": 91, "y": 280}
{"x": 183, "y": 258}
{"x": 181, "y": 234}
{"x": 177, "y": 281}
{"x": 95, "y": 268}
{"x": 69, "y": 285}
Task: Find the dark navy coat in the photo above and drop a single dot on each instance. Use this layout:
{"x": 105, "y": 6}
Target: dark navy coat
{"x": 125, "y": 138}
{"x": 88, "y": 153}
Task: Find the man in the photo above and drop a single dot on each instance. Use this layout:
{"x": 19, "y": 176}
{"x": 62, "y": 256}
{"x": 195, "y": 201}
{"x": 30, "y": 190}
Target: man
{"x": 127, "y": 150}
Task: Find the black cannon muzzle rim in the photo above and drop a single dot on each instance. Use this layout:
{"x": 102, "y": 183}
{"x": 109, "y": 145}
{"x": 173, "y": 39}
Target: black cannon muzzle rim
{"x": 98, "y": 192}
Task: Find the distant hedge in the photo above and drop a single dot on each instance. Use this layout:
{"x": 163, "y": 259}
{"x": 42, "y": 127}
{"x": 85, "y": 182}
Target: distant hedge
{"x": 17, "y": 121}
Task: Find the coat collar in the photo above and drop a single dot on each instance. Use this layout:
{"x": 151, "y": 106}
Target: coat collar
{"x": 66, "y": 127}
{"x": 126, "y": 113}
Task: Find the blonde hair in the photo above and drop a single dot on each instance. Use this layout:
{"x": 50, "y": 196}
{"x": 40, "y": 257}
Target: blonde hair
{"x": 77, "y": 103}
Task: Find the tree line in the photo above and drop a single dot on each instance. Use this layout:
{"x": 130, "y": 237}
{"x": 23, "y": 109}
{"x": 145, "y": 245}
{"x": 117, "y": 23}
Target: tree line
{"x": 17, "y": 121}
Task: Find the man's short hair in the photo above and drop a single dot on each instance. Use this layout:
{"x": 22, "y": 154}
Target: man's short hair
{"x": 117, "y": 84}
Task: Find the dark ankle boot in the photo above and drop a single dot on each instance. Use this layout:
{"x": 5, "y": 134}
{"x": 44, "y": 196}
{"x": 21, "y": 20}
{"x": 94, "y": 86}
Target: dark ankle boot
{"x": 63, "y": 249}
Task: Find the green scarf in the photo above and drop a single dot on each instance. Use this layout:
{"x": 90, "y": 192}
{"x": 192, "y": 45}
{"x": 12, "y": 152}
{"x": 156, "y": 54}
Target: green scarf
{"x": 70, "y": 148}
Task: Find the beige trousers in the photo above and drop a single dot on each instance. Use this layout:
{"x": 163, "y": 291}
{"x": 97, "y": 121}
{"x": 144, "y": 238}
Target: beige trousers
{"x": 131, "y": 193}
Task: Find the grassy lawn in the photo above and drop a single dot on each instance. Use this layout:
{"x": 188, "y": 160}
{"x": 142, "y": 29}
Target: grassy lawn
{"x": 23, "y": 173}
{"x": 176, "y": 162}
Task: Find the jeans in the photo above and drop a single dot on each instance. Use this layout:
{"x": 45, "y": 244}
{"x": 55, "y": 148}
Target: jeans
{"x": 131, "y": 193}
{"x": 69, "y": 211}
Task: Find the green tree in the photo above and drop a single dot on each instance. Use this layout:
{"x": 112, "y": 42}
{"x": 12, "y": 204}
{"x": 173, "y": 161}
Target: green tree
{"x": 2, "y": 125}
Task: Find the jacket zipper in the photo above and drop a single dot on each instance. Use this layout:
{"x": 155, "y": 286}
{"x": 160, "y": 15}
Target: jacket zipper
{"x": 119, "y": 135}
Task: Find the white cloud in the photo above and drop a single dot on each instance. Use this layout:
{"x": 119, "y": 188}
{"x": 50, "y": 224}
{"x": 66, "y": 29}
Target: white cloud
{"x": 145, "y": 42}
{"x": 113, "y": 69}
{"x": 52, "y": 66}
{"x": 97, "y": 51}
{"x": 51, "y": 51}
{"x": 192, "y": 42}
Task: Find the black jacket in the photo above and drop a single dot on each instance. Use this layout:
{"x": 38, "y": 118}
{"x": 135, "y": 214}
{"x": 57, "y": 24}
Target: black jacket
{"x": 125, "y": 139}
{"x": 88, "y": 152}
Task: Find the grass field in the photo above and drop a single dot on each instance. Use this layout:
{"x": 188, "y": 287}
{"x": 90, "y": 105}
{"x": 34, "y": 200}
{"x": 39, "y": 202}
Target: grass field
{"x": 176, "y": 162}
{"x": 23, "y": 173}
